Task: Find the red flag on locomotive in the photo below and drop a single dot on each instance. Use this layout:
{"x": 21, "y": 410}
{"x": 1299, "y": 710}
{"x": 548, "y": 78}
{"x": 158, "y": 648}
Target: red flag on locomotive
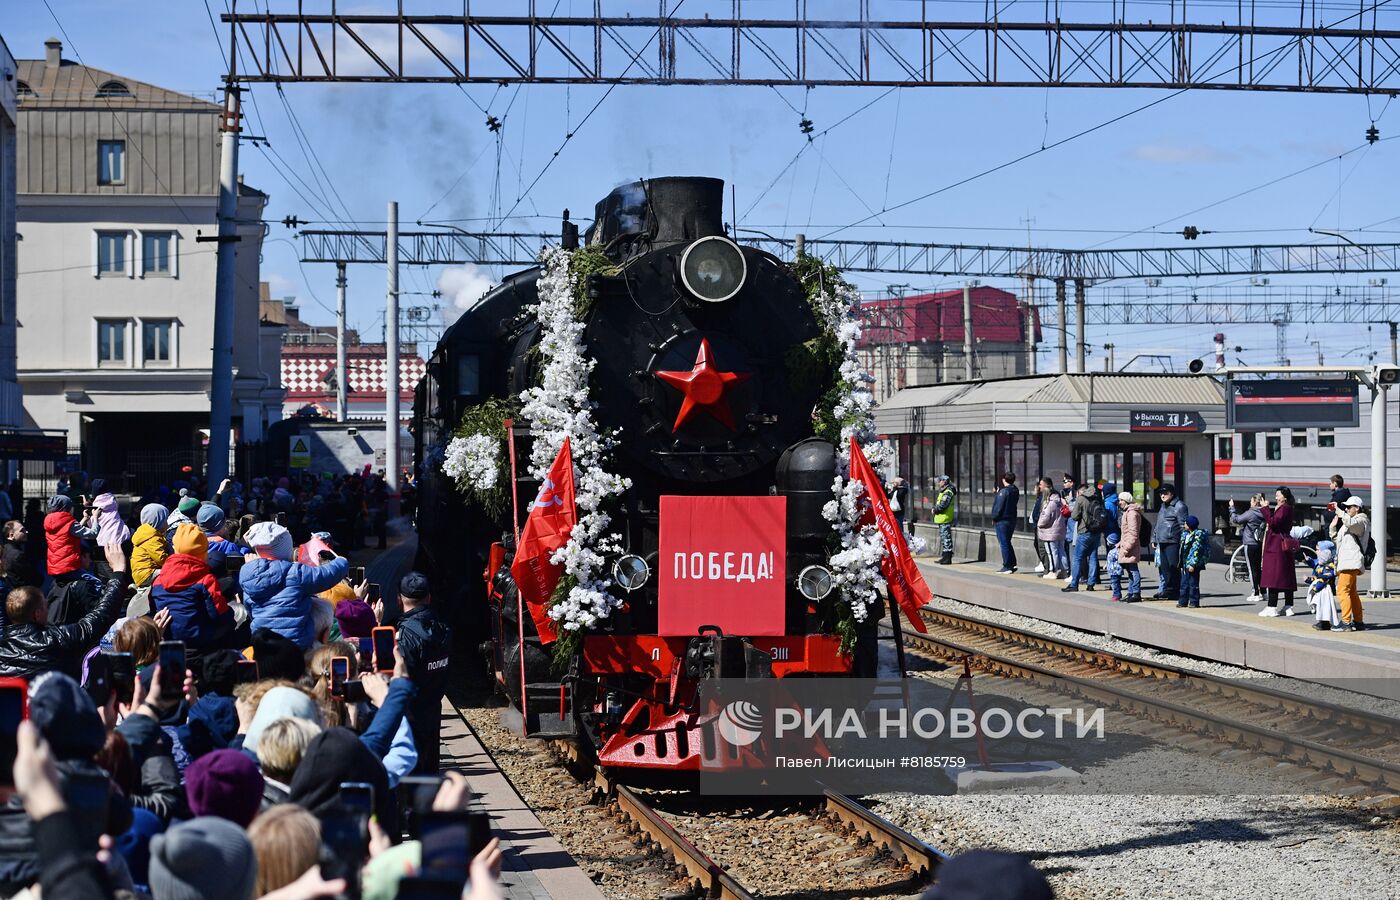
{"x": 552, "y": 516}
{"x": 906, "y": 582}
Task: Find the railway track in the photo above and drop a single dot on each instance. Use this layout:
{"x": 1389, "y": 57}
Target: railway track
{"x": 709, "y": 878}
{"x": 1354, "y": 746}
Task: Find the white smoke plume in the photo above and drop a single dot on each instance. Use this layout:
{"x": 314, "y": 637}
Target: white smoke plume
{"x": 463, "y": 285}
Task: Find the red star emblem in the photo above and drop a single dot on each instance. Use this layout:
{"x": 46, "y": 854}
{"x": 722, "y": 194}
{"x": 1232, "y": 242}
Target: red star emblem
{"x": 704, "y": 387}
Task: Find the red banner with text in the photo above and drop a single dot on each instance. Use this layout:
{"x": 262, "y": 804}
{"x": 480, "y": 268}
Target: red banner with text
{"x": 722, "y": 562}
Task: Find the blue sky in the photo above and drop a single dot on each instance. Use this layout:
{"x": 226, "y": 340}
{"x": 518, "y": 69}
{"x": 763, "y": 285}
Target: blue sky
{"x": 412, "y": 144}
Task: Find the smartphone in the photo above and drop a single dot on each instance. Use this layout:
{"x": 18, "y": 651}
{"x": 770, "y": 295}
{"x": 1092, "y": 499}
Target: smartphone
{"x": 366, "y": 653}
{"x": 375, "y": 593}
{"x": 450, "y": 841}
{"x": 344, "y": 845}
{"x": 340, "y": 673}
{"x": 121, "y": 668}
{"x": 172, "y": 668}
{"x": 246, "y": 671}
{"x": 355, "y": 692}
{"x": 416, "y": 888}
{"x": 416, "y": 796}
{"x": 357, "y": 797}
{"x": 99, "y": 680}
{"x": 383, "y": 637}
{"x": 357, "y": 576}
{"x": 14, "y": 708}
{"x": 281, "y": 519}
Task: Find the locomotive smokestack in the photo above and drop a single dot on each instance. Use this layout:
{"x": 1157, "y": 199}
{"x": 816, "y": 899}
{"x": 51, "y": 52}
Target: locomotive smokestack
{"x": 662, "y": 211}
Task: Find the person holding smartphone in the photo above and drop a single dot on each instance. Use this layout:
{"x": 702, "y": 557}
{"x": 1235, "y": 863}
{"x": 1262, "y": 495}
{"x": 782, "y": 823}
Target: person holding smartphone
{"x": 32, "y": 646}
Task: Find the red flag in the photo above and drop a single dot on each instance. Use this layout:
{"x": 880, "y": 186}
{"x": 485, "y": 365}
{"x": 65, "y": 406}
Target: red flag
{"x": 552, "y": 516}
{"x": 906, "y": 582}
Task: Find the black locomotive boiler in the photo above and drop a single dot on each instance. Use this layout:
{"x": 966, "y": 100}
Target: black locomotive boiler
{"x": 709, "y": 366}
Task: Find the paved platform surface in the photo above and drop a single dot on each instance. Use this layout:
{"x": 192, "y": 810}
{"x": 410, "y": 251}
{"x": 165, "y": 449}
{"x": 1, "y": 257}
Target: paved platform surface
{"x": 1227, "y": 627}
{"x": 535, "y": 866}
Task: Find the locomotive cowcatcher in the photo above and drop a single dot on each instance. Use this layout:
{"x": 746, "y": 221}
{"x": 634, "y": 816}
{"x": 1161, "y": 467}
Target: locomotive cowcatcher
{"x": 705, "y": 369}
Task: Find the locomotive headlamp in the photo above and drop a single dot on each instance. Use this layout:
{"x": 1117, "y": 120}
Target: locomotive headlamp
{"x": 713, "y": 268}
{"x": 815, "y": 582}
{"x": 631, "y": 572}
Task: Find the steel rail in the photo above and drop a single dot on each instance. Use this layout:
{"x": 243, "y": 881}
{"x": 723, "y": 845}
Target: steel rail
{"x": 922, "y": 858}
{"x": 1215, "y": 685}
{"x": 716, "y": 881}
{"x": 1302, "y": 751}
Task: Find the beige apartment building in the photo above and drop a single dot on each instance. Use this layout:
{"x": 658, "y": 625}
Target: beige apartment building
{"x": 116, "y": 181}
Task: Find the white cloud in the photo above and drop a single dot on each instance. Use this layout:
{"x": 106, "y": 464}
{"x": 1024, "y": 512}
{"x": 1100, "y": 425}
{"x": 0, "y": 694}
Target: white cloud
{"x": 463, "y": 285}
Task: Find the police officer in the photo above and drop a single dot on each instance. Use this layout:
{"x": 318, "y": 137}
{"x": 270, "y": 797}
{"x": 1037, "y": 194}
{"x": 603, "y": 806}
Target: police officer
{"x": 424, "y": 643}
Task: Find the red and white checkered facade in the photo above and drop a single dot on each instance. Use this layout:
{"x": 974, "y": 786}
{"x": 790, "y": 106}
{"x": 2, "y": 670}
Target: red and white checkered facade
{"x": 307, "y": 375}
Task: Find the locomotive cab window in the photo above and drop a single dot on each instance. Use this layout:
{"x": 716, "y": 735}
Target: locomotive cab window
{"x": 468, "y": 375}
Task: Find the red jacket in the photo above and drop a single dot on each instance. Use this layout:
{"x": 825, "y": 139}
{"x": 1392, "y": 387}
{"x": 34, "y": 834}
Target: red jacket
{"x": 64, "y": 546}
{"x": 199, "y": 614}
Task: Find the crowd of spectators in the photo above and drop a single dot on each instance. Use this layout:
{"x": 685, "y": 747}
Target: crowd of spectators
{"x": 220, "y": 706}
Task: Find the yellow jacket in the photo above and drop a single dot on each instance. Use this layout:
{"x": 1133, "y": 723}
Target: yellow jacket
{"x": 148, "y": 554}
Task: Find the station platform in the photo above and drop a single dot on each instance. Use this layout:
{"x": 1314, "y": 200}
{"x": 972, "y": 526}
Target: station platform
{"x": 1226, "y": 628}
{"x": 534, "y": 866}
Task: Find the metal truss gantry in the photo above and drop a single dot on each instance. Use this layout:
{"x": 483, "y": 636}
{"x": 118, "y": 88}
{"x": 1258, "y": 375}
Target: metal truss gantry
{"x": 1302, "y": 46}
{"x": 1096, "y": 266}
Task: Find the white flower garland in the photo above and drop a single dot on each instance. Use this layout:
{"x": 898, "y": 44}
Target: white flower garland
{"x": 855, "y": 568}
{"x": 560, "y": 408}
{"x": 475, "y": 458}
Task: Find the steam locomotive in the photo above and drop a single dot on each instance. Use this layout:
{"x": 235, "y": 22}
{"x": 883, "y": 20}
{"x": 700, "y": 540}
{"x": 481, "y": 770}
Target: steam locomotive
{"x": 700, "y": 370}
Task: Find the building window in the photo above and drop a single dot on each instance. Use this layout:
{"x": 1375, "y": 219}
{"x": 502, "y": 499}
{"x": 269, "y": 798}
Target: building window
{"x": 1299, "y": 439}
{"x": 1326, "y": 437}
{"x": 113, "y": 89}
{"x": 23, "y": 89}
{"x": 156, "y": 342}
{"x": 1247, "y": 445}
{"x": 111, "y": 342}
{"x": 1273, "y": 446}
{"x": 111, "y": 253}
{"x": 155, "y": 253}
{"x": 111, "y": 162}
{"x": 1225, "y": 448}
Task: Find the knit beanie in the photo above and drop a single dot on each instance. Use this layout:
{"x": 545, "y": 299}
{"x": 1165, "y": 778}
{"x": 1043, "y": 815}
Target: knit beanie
{"x": 207, "y": 858}
{"x": 279, "y": 703}
{"x": 210, "y": 518}
{"x": 188, "y": 505}
{"x": 270, "y": 540}
{"x": 66, "y": 716}
{"x": 355, "y": 617}
{"x": 189, "y": 539}
{"x": 154, "y": 515}
{"x": 277, "y": 656}
{"x": 1193, "y": 523}
{"x": 224, "y": 783}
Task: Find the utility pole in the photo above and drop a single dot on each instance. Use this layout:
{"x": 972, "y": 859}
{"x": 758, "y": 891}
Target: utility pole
{"x": 1378, "y": 474}
{"x": 968, "y": 363}
{"x": 1030, "y": 337}
{"x": 1064, "y": 325}
{"x": 1108, "y": 360}
{"x": 391, "y": 365}
{"x": 1394, "y": 347}
{"x": 342, "y": 377}
{"x": 225, "y": 284}
{"x": 1081, "y": 347}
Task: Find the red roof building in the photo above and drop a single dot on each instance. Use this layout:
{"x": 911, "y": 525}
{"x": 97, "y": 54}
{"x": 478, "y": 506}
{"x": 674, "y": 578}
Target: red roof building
{"x": 308, "y": 374}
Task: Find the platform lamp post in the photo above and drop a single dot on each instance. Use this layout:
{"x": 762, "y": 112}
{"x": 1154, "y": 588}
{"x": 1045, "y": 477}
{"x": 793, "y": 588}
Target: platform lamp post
{"x": 1382, "y": 379}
